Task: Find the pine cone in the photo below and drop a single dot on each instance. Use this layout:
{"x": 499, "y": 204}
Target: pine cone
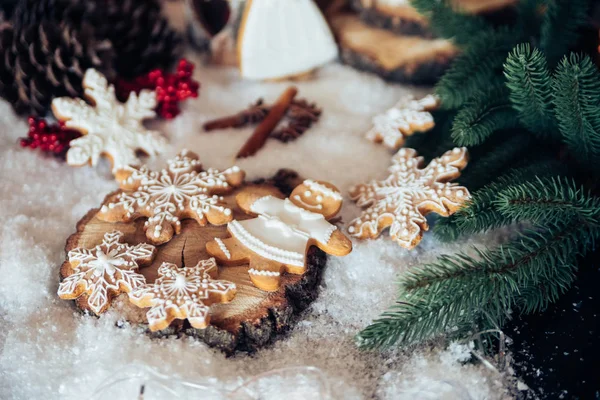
{"x": 141, "y": 36}
{"x": 46, "y": 59}
{"x": 47, "y": 45}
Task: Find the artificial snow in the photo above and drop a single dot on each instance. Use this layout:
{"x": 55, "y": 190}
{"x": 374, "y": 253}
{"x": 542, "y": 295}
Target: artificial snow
{"x": 49, "y": 350}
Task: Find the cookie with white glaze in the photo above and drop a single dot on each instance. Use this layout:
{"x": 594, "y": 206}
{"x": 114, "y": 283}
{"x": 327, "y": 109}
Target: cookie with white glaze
{"x": 276, "y": 241}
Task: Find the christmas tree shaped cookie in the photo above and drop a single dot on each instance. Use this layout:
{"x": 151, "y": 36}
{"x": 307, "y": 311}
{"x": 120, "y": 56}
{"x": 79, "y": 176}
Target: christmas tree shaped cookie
{"x": 276, "y": 241}
{"x": 280, "y": 39}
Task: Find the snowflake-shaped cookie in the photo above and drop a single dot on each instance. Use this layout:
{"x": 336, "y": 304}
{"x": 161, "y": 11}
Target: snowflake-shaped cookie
{"x": 180, "y": 293}
{"x": 110, "y": 128}
{"x": 404, "y": 119}
{"x": 101, "y": 273}
{"x": 403, "y": 199}
{"x": 182, "y": 190}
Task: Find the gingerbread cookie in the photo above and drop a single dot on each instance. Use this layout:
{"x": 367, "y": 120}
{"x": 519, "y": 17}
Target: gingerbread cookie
{"x": 410, "y": 192}
{"x": 276, "y": 241}
{"x": 282, "y": 39}
{"x": 404, "y": 119}
{"x": 182, "y": 190}
{"x": 110, "y": 128}
{"x": 182, "y": 293}
{"x": 95, "y": 276}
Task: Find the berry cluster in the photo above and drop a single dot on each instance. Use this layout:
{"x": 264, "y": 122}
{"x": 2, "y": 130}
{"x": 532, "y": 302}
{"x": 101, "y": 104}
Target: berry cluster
{"x": 50, "y": 138}
{"x": 170, "y": 88}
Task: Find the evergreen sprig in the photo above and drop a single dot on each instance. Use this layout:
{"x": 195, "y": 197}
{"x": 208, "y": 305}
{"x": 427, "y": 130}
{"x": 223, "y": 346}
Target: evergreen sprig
{"x": 511, "y": 105}
{"x": 550, "y": 199}
{"x": 577, "y": 102}
{"x": 482, "y": 116}
{"x": 448, "y": 22}
{"x": 530, "y": 85}
{"x": 450, "y": 295}
{"x": 562, "y": 20}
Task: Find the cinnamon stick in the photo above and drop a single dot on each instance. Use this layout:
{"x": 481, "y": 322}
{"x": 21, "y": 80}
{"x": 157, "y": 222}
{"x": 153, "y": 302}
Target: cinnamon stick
{"x": 256, "y": 112}
{"x": 264, "y": 129}
{"x": 231, "y": 121}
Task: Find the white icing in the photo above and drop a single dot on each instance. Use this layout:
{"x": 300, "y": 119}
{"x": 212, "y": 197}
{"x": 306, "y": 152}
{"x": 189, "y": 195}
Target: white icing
{"x": 109, "y": 266}
{"x": 404, "y": 119}
{"x": 284, "y": 38}
{"x": 223, "y": 248}
{"x": 281, "y": 231}
{"x": 182, "y": 292}
{"x": 253, "y": 271}
{"x": 167, "y": 195}
{"x": 407, "y": 194}
{"x": 322, "y": 189}
{"x": 110, "y": 127}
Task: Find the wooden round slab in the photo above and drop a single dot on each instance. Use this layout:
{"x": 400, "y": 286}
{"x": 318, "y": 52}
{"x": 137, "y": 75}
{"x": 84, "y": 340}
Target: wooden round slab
{"x": 254, "y": 316}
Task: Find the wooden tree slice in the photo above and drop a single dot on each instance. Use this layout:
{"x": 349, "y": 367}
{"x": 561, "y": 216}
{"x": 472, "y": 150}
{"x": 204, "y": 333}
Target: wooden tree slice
{"x": 403, "y": 19}
{"x": 254, "y": 316}
{"x": 409, "y": 59}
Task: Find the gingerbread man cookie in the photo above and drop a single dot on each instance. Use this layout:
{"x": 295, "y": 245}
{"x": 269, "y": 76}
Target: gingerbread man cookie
{"x": 410, "y": 192}
{"x": 276, "y": 241}
{"x": 182, "y": 293}
{"x": 95, "y": 276}
{"x": 182, "y": 190}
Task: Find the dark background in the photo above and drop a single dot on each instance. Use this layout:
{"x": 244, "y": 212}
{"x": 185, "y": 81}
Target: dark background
{"x": 557, "y": 353}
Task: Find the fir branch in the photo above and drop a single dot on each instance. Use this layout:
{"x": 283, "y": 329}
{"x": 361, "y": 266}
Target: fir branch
{"x": 530, "y": 85}
{"x": 577, "y": 103}
{"x": 442, "y": 297}
{"x": 548, "y": 200}
{"x": 562, "y": 20}
{"x": 449, "y": 23}
{"x": 482, "y": 116}
{"x": 503, "y": 151}
{"x": 481, "y": 213}
{"x": 477, "y": 69}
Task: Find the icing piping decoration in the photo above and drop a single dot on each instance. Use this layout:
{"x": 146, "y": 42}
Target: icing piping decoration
{"x": 183, "y": 293}
{"x": 404, "y": 119}
{"x": 105, "y": 271}
{"x": 182, "y": 190}
{"x": 109, "y": 128}
{"x": 410, "y": 192}
{"x": 277, "y": 239}
{"x": 223, "y": 248}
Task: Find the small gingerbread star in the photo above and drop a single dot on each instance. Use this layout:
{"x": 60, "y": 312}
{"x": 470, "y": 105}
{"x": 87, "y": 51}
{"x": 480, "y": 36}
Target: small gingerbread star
{"x": 410, "y": 192}
{"x": 404, "y": 119}
{"x": 182, "y": 190}
{"x": 109, "y": 128}
{"x": 183, "y": 293}
{"x": 102, "y": 273}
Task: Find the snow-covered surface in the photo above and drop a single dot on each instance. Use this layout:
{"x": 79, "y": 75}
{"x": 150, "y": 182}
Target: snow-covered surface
{"x": 48, "y": 350}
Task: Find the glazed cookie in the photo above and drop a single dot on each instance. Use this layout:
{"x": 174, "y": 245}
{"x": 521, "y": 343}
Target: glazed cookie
{"x": 402, "y": 201}
{"x": 182, "y": 293}
{"x": 276, "y": 241}
{"x": 283, "y": 39}
{"x": 404, "y": 119}
{"x": 95, "y": 276}
{"x": 109, "y": 128}
{"x": 182, "y": 190}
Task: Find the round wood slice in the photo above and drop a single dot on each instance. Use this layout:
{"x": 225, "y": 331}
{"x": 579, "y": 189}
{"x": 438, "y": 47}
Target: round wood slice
{"x": 403, "y": 19}
{"x": 409, "y": 59}
{"x": 253, "y": 317}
